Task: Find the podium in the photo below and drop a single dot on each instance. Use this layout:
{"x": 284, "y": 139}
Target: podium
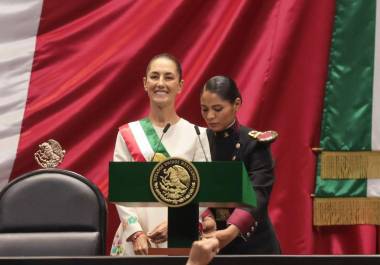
{"x": 222, "y": 184}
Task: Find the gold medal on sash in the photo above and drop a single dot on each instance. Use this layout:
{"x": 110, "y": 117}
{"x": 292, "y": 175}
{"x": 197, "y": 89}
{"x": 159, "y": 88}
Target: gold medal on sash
{"x": 159, "y": 157}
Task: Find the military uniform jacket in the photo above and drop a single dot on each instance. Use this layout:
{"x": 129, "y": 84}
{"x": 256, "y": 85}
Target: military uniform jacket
{"x": 257, "y": 233}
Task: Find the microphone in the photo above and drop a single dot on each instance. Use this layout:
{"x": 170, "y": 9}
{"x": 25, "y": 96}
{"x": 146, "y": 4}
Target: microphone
{"x": 199, "y": 139}
{"x": 166, "y": 128}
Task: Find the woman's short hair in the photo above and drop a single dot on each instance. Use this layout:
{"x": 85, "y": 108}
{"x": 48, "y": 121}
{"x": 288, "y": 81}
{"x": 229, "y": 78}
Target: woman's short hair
{"x": 224, "y": 87}
{"x": 171, "y": 58}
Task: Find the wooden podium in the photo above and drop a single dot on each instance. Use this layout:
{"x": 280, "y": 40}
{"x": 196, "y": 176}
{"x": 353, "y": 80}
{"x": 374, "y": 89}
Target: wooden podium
{"x": 222, "y": 184}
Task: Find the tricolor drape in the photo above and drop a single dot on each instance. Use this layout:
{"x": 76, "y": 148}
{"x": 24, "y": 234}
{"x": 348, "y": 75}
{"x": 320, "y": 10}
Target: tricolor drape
{"x": 348, "y": 178}
{"x": 348, "y": 175}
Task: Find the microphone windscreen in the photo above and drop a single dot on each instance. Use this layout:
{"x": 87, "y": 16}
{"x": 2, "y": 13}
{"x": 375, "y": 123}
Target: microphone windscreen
{"x": 166, "y": 128}
{"x": 197, "y": 129}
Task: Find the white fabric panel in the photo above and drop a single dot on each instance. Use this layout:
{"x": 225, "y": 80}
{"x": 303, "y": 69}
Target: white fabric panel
{"x": 373, "y": 185}
{"x": 19, "y": 22}
{"x": 141, "y": 140}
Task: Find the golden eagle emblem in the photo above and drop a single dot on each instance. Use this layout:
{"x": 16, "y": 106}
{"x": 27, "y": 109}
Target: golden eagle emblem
{"x": 50, "y": 154}
{"x": 174, "y": 182}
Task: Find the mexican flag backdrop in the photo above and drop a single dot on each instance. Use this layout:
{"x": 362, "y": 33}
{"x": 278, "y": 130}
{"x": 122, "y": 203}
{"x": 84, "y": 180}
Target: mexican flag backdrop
{"x": 72, "y": 71}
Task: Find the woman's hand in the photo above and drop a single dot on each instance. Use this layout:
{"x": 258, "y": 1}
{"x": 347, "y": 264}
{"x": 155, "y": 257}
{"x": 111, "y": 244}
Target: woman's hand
{"x": 203, "y": 251}
{"x": 208, "y": 225}
{"x": 225, "y": 236}
{"x": 141, "y": 245}
{"x": 159, "y": 233}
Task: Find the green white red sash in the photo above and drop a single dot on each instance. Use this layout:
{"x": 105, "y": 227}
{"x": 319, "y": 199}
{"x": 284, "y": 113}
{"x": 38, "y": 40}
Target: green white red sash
{"x": 142, "y": 140}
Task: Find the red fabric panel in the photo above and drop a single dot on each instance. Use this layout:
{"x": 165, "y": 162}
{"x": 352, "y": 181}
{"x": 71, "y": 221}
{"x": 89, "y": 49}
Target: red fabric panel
{"x": 131, "y": 143}
{"x": 87, "y": 81}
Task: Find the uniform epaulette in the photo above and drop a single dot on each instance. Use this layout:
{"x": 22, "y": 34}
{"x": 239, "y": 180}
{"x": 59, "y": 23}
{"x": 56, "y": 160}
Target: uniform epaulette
{"x": 264, "y": 137}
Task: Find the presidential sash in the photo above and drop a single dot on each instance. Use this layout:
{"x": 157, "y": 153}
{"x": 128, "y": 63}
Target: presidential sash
{"x": 142, "y": 141}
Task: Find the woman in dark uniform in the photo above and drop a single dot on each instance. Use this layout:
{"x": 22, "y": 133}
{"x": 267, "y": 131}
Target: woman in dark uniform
{"x": 240, "y": 230}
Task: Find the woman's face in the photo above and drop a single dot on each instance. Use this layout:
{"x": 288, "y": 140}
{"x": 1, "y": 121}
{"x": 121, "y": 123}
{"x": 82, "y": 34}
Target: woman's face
{"x": 217, "y": 112}
{"x": 162, "y": 81}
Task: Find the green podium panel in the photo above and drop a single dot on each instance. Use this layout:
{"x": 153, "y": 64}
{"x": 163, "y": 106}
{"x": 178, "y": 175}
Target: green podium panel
{"x": 222, "y": 184}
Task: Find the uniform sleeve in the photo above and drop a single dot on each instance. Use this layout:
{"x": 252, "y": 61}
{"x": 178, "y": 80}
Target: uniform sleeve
{"x": 259, "y": 164}
{"x": 128, "y": 215}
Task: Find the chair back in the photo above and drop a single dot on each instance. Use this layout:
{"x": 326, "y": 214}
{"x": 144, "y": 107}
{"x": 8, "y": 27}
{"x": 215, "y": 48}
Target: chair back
{"x": 52, "y": 212}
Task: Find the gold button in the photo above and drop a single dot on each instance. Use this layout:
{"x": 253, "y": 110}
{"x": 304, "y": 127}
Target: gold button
{"x": 226, "y": 134}
{"x": 237, "y": 145}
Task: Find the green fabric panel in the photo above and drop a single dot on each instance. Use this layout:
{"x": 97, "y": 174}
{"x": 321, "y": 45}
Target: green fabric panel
{"x": 348, "y": 99}
{"x": 346, "y": 124}
{"x": 339, "y": 188}
{"x": 153, "y": 138}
